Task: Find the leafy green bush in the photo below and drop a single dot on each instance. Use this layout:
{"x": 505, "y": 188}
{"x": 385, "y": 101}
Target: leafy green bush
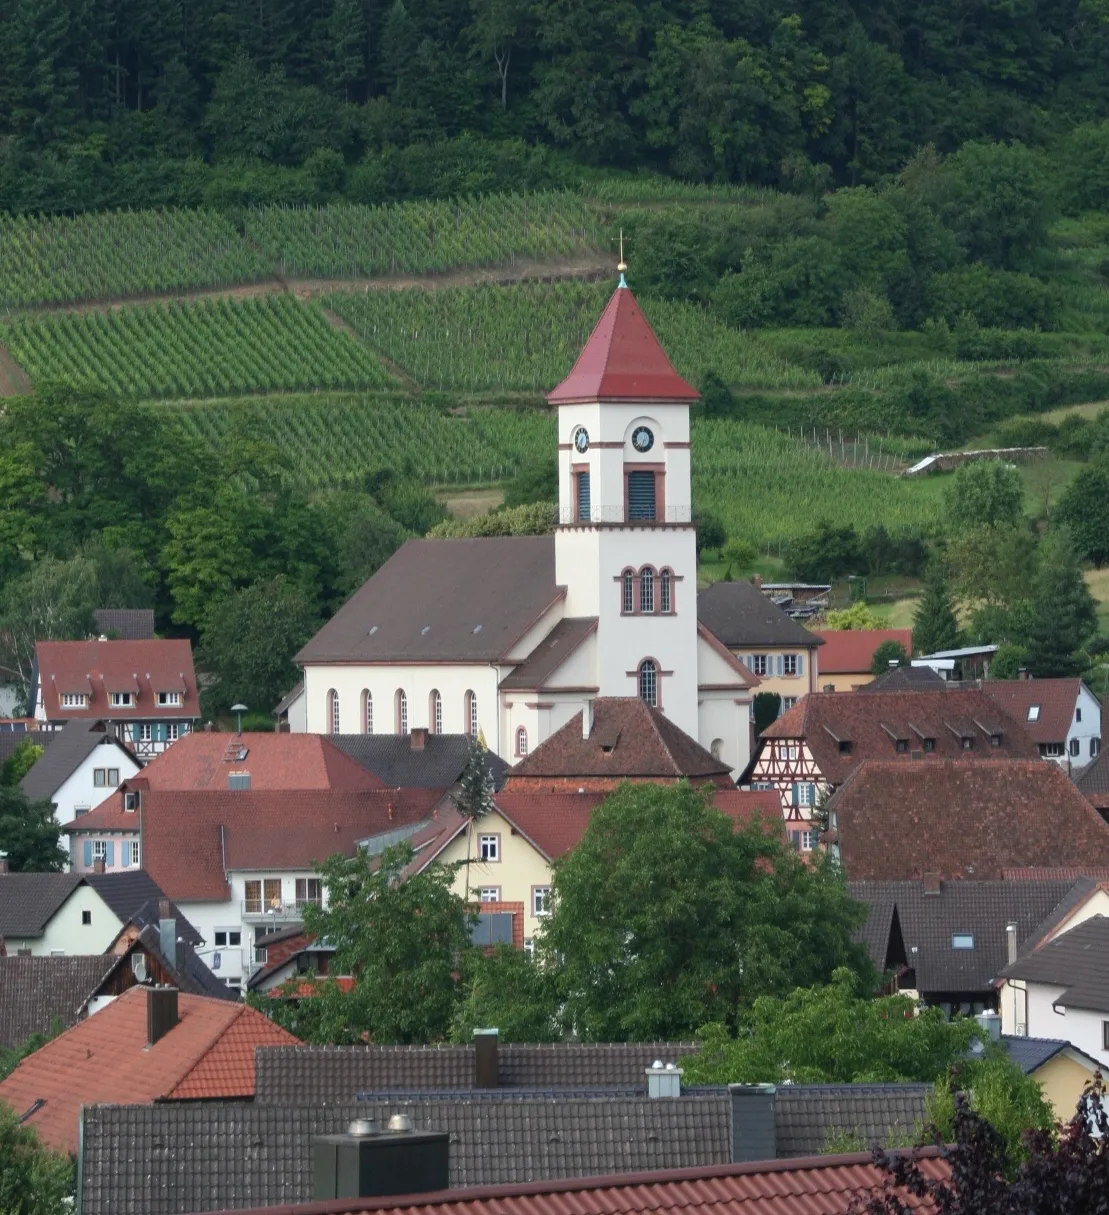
{"x": 1002, "y": 299}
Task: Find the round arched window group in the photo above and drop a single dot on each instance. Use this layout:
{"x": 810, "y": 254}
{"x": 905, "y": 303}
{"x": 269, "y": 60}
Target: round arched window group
{"x": 400, "y": 712}
{"x": 647, "y": 592}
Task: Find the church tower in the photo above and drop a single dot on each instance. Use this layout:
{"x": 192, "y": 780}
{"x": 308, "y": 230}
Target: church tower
{"x": 625, "y": 547}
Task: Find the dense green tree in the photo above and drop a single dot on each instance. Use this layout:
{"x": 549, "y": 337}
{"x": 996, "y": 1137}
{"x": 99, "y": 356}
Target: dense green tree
{"x": 34, "y": 1180}
{"x": 505, "y": 988}
{"x": 710, "y": 532}
{"x": 858, "y": 616}
{"x": 29, "y": 834}
{"x": 825, "y": 554}
{"x": 767, "y": 707}
{"x": 533, "y": 483}
{"x": 888, "y": 654}
{"x": 984, "y": 493}
{"x": 20, "y": 762}
{"x": 1064, "y": 614}
{"x": 1083, "y": 508}
{"x": 934, "y": 624}
{"x": 834, "y": 1033}
{"x": 992, "y": 565}
{"x": 645, "y": 954}
{"x": 247, "y": 643}
{"x": 1009, "y": 661}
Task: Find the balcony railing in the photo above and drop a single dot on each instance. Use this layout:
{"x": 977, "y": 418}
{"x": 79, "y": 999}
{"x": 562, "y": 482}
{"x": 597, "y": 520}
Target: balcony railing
{"x": 278, "y": 913}
{"x": 567, "y": 515}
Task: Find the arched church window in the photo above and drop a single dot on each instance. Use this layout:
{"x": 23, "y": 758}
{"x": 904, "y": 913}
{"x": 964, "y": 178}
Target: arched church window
{"x": 435, "y": 712}
{"x": 401, "y": 712}
{"x": 665, "y": 592}
{"x": 647, "y": 589}
{"x": 627, "y": 605}
{"x": 717, "y": 747}
{"x": 333, "y": 711}
{"x": 521, "y": 741}
{"x": 471, "y": 714}
{"x": 648, "y": 682}
{"x": 367, "y": 711}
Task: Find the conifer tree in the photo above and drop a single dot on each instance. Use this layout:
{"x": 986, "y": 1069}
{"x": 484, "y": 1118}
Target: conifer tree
{"x": 934, "y": 624}
{"x": 1064, "y": 615}
{"x": 474, "y": 798}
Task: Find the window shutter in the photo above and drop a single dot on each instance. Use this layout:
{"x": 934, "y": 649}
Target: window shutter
{"x": 136, "y": 733}
{"x": 583, "y": 496}
{"x": 109, "y": 855}
{"x": 800, "y": 664}
{"x": 641, "y": 495}
{"x": 88, "y": 854}
{"x": 161, "y": 732}
{"x": 781, "y": 665}
{"x": 796, "y": 795}
{"x": 125, "y": 853}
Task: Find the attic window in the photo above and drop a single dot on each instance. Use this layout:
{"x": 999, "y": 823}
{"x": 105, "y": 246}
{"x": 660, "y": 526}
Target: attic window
{"x": 1033, "y": 712}
{"x": 169, "y": 698}
{"x": 607, "y": 748}
{"x": 74, "y": 700}
{"x": 238, "y": 780}
{"x": 966, "y": 743}
{"x": 131, "y": 801}
{"x": 929, "y": 744}
{"x": 995, "y": 740}
{"x": 845, "y": 745}
{"x": 122, "y": 700}
{"x": 900, "y": 746}
{"x": 962, "y": 940}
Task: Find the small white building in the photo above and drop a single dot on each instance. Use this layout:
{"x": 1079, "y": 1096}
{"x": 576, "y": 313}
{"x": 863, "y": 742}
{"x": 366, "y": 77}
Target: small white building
{"x": 507, "y": 637}
{"x": 84, "y": 764}
{"x": 1062, "y": 715}
{"x": 1061, "y": 990}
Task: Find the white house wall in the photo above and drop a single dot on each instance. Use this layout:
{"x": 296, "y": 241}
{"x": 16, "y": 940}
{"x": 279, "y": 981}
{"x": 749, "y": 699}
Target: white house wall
{"x": 78, "y": 792}
{"x": 1031, "y": 1006}
{"x": 1086, "y": 731}
{"x": 66, "y": 934}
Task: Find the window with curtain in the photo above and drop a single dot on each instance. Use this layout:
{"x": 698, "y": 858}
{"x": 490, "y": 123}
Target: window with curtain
{"x": 665, "y": 595}
{"x": 647, "y": 590}
{"x": 648, "y": 682}
{"x": 628, "y": 604}
{"x": 333, "y": 711}
{"x": 367, "y": 712}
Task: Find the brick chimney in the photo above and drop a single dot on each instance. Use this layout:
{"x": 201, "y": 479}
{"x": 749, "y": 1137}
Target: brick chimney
{"x": 161, "y": 1012}
{"x": 757, "y": 582}
{"x": 98, "y": 865}
{"x": 417, "y": 740}
{"x": 486, "y": 1068}
{"x": 932, "y": 883}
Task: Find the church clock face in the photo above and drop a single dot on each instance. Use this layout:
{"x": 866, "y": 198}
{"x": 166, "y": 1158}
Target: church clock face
{"x": 581, "y": 439}
{"x": 642, "y": 439}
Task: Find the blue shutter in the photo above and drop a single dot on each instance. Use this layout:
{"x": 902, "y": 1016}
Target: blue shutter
{"x": 583, "y": 496}
{"x": 125, "y": 853}
{"x": 88, "y": 854}
{"x": 641, "y": 495}
{"x": 109, "y": 855}
{"x": 796, "y": 797}
{"x": 160, "y": 731}
{"x": 781, "y": 665}
{"x": 800, "y": 664}
{"x": 136, "y": 733}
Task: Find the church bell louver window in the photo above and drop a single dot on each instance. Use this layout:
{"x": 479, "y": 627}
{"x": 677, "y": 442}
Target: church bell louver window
{"x": 583, "y": 497}
{"x": 641, "y": 495}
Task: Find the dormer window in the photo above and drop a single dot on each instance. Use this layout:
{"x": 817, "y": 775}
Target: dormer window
{"x": 74, "y": 700}
{"x": 169, "y": 698}
{"x": 966, "y": 743}
{"x": 131, "y": 800}
{"x": 929, "y": 744}
{"x": 845, "y": 746}
{"x": 995, "y": 740}
{"x": 900, "y": 746}
{"x": 122, "y": 700}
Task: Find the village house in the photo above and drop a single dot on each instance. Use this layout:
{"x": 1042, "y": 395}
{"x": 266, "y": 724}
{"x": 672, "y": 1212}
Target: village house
{"x": 506, "y": 636}
{"x": 848, "y": 655}
{"x": 770, "y": 644}
{"x": 1062, "y": 716}
{"x": 144, "y": 691}
{"x": 814, "y": 747}
{"x": 84, "y": 764}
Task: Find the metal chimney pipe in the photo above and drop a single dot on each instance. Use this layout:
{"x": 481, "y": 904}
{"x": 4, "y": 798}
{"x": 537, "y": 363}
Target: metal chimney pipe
{"x": 586, "y": 718}
{"x": 1011, "y": 943}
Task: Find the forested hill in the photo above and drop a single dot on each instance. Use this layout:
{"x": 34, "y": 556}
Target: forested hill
{"x": 159, "y": 102}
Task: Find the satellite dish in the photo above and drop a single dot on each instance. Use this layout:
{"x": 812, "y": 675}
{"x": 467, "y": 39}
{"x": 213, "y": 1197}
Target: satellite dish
{"x": 138, "y": 967}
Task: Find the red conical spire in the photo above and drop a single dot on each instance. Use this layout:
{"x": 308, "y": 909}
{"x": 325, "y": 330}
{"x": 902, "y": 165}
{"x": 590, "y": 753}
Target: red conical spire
{"x": 623, "y": 361}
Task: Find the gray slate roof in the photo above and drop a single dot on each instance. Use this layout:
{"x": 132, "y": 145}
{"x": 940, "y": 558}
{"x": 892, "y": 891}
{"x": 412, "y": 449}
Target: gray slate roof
{"x": 183, "y": 1156}
{"x": 34, "y": 992}
{"x": 929, "y": 921}
{"x": 192, "y": 973}
{"x": 907, "y": 679}
{"x": 1032, "y": 1053}
{"x": 291, "y": 1075}
{"x": 443, "y": 600}
{"x": 129, "y": 624}
{"x": 136, "y": 896}
{"x": 551, "y": 652}
{"x": 1077, "y": 960}
{"x": 10, "y": 740}
{"x": 1093, "y": 780}
{"x": 28, "y": 900}
{"x": 71, "y": 747}
{"x": 438, "y": 765}
{"x": 739, "y": 614}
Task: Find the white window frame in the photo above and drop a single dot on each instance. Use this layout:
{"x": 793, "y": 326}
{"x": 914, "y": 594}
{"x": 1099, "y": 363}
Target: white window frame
{"x": 307, "y": 899}
{"x": 962, "y": 940}
{"x": 99, "y": 850}
{"x": 74, "y": 700}
{"x": 489, "y": 848}
{"x": 540, "y": 901}
{"x": 173, "y": 731}
{"x": 131, "y": 847}
{"x": 788, "y": 702}
{"x": 759, "y": 664}
{"x": 805, "y": 792}
{"x": 472, "y": 723}
{"x": 789, "y": 664}
{"x": 521, "y": 741}
{"x": 146, "y": 732}
{"x": 489, "y": 894}
{"x": 1033, "y": 712}
{"x": 122, "y": 700}
{"x": 1054, "y": 750}
{"x": 169, "y": 699}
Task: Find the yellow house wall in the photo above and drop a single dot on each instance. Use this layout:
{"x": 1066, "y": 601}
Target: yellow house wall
{"x": 1062, "y": 1080}
{"x": 796, "y": 686}
{"x": 520, "y": 868}
{"x": 843, "y": 683}
{"x": 1096, "y": 904}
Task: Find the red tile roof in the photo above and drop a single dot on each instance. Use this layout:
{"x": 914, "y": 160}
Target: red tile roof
{"x": 98, "y": 668}
{"x": 628, "y": 739}
{"x": 897, "y": 821}
{"x": 1068, "y": 873}
{"x": 623, "y": 361}
{"x": 851, "y": 651}
{"x": 816, "y": 1185}
{"x": 1056, "y": 699}
{"x": 873, "y": 725}
{"x": 105, "y": 1059}
{"x": 203, "y": 760}
{"x": 188, "y": 837}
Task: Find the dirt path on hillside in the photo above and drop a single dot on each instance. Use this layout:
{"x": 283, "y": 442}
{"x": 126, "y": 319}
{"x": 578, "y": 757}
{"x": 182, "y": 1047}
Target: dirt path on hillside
{"x": 581, "y": 266}
{"x": 13, "y": 381}
{"x": 394, "y": 369}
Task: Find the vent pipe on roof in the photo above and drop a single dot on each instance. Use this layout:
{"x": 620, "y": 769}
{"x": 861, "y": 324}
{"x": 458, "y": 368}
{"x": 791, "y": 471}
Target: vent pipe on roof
{"x": 753, "y": 1133}
{"x": 586, "y": 717}
{"x": 1011, "y": 943}
{"x": 368, "y": 1163}
{"x": 486, "y": 1065}
{"x": 990, "y": 1022}
{"x": 663, "y": 1079}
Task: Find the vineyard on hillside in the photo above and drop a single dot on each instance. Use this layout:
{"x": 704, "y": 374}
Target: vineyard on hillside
{"x": 525, "y": 337}
{"x": 211, "y": 348}
{"x": 352, "y": 241}
{"x": 62, "y": 260}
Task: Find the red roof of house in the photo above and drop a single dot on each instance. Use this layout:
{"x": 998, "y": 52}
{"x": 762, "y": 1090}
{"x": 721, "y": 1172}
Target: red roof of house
{"x": 815, "y": 1185}
{"x": 872, "y": 727}
{"x": 623, "y": 361}
{"x": 190, "y": 839}
{"x": 105, "y": 1059}
{"x": 1055, "y": 700}
{"x": 203, "y": 760}
{"x": 98, "y": 668}
{"x": 897, "y": 821}
{"x": 851, "y": 651}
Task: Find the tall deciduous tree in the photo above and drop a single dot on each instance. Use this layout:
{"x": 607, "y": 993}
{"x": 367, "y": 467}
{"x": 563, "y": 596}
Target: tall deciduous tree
{"x": 33, "y": 1179}
{"x": 666, "y": 916}
{"x": 1084, "y": 510}
{"x": 934, "y": 624}
{"x": 29, "y": 834}
{"x": 985, "y": 493}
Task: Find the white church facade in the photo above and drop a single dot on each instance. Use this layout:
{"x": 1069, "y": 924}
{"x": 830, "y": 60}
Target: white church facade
{"x": 509, "y": 636}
